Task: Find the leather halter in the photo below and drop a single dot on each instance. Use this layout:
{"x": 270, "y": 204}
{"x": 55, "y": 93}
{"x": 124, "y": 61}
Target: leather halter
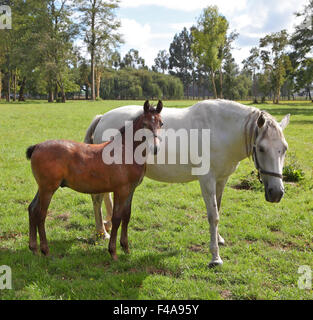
{"x": 257, "y": 163}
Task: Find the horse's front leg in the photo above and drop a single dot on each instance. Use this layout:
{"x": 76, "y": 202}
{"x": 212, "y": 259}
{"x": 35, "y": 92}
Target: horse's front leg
{"x": 220, "y": 186}
{"x": 208, "y": 188}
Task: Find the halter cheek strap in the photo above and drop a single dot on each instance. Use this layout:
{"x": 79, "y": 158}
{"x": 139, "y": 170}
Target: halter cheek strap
{"x": 257, "y": 164}
{"x": 260, "y": 170}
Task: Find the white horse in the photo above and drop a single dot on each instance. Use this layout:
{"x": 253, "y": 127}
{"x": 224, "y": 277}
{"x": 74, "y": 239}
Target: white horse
{"x": 237, "y": 132}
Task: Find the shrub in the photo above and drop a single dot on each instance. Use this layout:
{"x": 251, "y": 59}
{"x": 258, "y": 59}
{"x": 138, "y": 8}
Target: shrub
{"x": 292, "y": 172}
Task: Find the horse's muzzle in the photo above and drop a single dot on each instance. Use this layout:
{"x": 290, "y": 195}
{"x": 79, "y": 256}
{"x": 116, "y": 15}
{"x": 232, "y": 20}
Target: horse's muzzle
{"x": 274, "y": 196}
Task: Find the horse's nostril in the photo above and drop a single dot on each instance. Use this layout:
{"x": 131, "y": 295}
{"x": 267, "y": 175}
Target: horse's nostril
{"x": 270, "y": 191}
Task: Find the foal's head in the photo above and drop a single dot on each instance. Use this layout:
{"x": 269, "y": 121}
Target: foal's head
{"x": 151, "y": 120}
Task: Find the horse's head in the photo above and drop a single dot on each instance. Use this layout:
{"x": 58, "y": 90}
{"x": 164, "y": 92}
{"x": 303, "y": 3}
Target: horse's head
{"x": 269, "y": 152}
{"x": 152, "y": 121}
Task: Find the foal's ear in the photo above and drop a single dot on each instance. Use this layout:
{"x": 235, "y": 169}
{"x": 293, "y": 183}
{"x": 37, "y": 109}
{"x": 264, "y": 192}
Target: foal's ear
{"x": 284, "y": 123}
{"x": 261, "y": 121}
{"x": 146, "y": 106}
{"x": 159, "y": 106}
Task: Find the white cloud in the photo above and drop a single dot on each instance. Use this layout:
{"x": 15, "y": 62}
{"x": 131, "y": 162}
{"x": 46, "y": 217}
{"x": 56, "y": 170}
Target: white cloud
{"x": 253, "y": 19}
{"x": 225, "y": 6}
{"x": 140, "y": 37}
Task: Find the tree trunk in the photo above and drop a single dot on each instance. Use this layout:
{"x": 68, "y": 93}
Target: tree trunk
{"x": 221, "y": 84}
{"x": 213, "y": 84}
{"x": 8, "y": 89}
{"x": 98, "y": 82}
{"x": 50, "y": 94}
{"x": 63, "y": 97}
{"x": 309, "y": 92}
{"x": 0, "y": 85}
{"x": 254, "y": 89}
{"x": 14, "y": 86}
{"x": 21, "y": 92}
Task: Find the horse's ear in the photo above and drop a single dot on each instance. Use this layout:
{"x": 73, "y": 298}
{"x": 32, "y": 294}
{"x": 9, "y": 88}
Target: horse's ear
{"x": 159, "y": 106}
{"x": 146, "y": 106}
{"x": 261, "y": 121}
{"x": 284, "y": 123}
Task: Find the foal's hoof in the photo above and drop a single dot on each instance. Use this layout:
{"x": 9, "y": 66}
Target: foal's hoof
{"x": 34, "y": 250}
{"x": 108, "y": 226}
{"x": 45, "y": 252}
{"x": 216, "y": 263}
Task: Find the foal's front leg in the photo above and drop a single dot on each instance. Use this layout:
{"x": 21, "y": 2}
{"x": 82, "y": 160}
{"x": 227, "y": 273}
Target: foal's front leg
{"x": 208, "y": 188}
{"x": 120, "y": 204}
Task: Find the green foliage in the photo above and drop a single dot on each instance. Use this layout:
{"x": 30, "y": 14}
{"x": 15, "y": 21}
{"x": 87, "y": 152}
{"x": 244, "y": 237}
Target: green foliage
{"x": 139, "y": 84}
{"x": 250, "y": 182}
{"x": 292, "y": 171}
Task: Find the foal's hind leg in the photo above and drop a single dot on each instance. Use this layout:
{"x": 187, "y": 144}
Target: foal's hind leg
{"x": 33, "y": 213}
{"x": 125, "y": 221}
{"x": 97, "y": 203}
{"x": 44, "y": 201}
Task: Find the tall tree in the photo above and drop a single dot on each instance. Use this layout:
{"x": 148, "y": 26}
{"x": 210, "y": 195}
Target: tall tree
{"x": 209, "y": 37}
{"x": 252, "y": 64}
{"x": 302, "y": 42}
{"x": 275, "y": 59}
{"x": 180, "y": 60}
{"x": 161, "y": 62}
{"x": 99, "y": 23}
{"x": 133, "y": 60}
{"x": 302, "y": 39}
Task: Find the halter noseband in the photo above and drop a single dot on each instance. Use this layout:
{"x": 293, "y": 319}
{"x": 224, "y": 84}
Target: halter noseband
{"x": 257, "y": 164}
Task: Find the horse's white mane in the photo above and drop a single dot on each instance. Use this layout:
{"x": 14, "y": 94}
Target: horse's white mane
{"x": 251, "y": 128}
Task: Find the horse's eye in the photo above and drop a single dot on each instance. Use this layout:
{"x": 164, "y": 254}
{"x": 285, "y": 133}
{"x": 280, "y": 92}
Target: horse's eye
{"x": 161, "y": 124}
{"x": 262, "y": 150}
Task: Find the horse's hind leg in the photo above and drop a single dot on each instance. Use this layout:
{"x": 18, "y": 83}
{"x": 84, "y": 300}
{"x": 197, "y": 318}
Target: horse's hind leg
{"x": 97, "y": 203}
{"x": 44, "y": 200}
{"x": 109, "y": 209}
{"x": 33, "y": 213}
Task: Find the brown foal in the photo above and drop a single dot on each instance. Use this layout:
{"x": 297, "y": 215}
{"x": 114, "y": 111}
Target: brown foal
{"x": 81, "y": 167}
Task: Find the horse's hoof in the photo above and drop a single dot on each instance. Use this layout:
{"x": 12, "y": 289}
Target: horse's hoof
{"x": 103, "y": 235}
{"x": 216, "y": 263}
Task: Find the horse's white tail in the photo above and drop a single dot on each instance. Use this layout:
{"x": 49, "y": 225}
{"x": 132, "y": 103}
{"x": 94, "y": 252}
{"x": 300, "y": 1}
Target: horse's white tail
{"x": 89, "y": 134}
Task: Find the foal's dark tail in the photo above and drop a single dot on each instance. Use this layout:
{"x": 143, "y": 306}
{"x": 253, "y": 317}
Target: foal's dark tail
{"x": 30, "y": 151}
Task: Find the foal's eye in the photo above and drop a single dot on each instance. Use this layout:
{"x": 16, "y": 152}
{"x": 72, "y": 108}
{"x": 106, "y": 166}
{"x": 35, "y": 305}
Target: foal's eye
{"x": 262, "y": 150}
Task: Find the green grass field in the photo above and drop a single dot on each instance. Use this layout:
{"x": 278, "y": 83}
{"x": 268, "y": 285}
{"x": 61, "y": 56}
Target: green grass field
{"x": 168, "y": 232}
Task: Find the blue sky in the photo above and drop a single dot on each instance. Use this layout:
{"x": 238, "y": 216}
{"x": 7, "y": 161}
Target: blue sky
{"x": 150, "y": 25}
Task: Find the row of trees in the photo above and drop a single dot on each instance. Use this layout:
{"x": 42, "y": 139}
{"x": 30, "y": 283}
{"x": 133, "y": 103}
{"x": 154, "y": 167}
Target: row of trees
{"x": 39, "y": 56}
{"x": 202, "y": 57}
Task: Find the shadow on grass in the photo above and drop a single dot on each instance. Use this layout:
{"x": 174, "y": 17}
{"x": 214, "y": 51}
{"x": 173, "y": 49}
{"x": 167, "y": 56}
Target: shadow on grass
{"x": 88, "y": 273}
